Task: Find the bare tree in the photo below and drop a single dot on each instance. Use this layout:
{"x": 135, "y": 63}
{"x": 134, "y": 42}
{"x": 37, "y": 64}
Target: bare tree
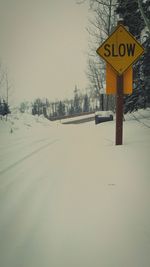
{"x": 8, "y": 87}
{"x": 2, "y": 80}
{"x": 96, "y": 79}
{"x": 101, "y": 22}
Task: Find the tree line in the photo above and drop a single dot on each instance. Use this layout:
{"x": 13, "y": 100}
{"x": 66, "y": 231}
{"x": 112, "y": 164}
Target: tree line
{"x": 80, "y": 103}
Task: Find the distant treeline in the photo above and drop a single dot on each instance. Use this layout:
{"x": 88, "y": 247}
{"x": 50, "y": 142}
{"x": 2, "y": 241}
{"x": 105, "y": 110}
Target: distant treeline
{"x": 79, "y": 104}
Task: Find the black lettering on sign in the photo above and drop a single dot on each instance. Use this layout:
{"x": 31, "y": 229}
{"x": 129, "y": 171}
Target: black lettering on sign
{"x": 122, "y": 50}
{"x": 130, "y": 49}
{"x": 107, "y": 47}
{"x": 113, "y": 51}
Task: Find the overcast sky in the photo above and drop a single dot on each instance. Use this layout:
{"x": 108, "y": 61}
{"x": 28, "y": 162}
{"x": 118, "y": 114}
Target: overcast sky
{"x": 44, "y": 45}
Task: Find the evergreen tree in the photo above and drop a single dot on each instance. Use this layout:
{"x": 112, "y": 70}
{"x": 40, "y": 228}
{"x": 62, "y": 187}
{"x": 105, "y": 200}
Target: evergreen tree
{"x": 146, "y": 72}
{"x": 61, "y": 109}
{"x": 132, "y": 17}
{"x": 23, "y": 107}
{"x": 45, "y": 111}
{"x": 77, "y": 106}
{"x": 86, "y": 104}
{"x": 34, "y": 109}
{"x": 0, "y": 106}
{"x": 71, "y": 109}
{"x": 37, "y": 107}
{"x": 131, "y": 14}
{"x": 5, "y": 108}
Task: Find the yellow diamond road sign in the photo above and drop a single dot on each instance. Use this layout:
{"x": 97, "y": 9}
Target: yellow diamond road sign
{"x": 120, "y": 49}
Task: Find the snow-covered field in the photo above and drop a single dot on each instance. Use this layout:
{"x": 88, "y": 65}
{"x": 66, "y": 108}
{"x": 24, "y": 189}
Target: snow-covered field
{"x": 70, "y": 198}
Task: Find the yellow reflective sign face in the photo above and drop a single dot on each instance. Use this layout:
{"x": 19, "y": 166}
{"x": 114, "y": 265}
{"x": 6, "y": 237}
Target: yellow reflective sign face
{"x": 120, "y": 50}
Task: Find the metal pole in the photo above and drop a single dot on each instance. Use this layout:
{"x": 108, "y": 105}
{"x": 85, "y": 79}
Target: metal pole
{"x": 119, "y": 107}
{"x": 119, "y": 110}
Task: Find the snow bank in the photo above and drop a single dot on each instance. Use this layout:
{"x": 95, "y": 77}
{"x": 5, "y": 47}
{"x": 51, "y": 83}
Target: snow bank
{"x": 69, "y": 197}
{"x": 24, "y": 121}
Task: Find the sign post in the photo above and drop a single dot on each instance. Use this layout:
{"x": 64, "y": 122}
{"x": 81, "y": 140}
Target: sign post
{"x": 120, "y": 50}
{"x": 119, "y": 110}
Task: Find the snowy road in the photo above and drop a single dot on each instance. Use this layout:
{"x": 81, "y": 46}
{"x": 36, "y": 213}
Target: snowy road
{"x": 69, "y": 197}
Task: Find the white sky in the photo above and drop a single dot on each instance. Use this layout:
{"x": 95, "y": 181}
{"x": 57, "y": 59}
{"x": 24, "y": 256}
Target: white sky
{"x": 44, "y": 45}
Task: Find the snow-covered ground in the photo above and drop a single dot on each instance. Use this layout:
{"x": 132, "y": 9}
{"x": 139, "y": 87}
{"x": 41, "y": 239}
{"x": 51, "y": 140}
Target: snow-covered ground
{"x": 70, "y": 198}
